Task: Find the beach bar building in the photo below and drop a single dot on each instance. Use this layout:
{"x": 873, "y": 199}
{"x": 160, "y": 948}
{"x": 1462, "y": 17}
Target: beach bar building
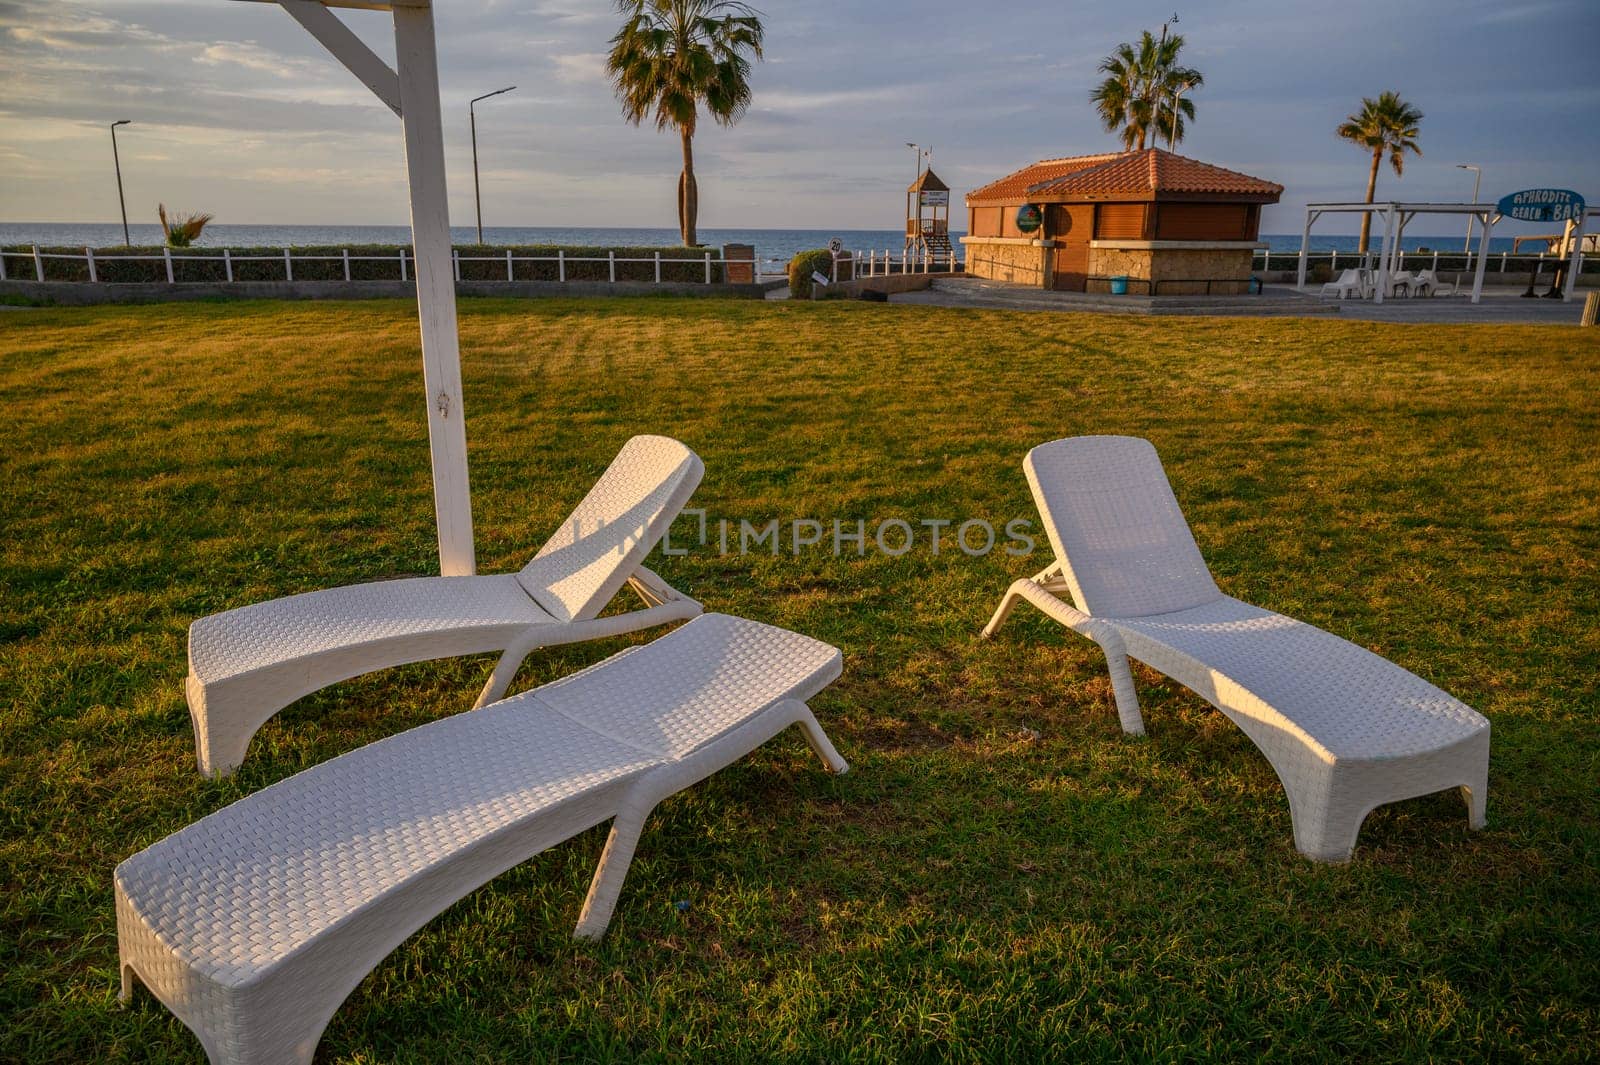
{"x": 1149, "y": 221}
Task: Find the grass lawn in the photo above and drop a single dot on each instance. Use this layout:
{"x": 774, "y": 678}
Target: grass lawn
{"x": 1003, "y": 875}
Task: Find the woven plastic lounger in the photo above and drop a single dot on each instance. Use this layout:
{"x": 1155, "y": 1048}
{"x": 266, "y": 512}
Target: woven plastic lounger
{"x": 245, "y": 665}
{"x": 1345, "y": 730}
{"x": 253, "y": 924}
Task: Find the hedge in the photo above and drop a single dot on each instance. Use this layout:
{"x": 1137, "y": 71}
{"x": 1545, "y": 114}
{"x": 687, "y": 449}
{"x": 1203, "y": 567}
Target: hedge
{"x": 801, "y": 267}
{"x": 369, "y": 262}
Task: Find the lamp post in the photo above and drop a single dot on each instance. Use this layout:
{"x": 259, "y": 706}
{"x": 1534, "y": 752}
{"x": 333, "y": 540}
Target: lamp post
{"x": 1477, "y": 176}
{"x": 117, "y": 161}
{"x": 472, "y": 114}
{"x": 1172, "y": 128}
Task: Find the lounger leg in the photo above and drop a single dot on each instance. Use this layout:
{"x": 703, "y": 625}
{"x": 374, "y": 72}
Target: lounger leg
{"x": 125, "y": 995}
{"x": 1122, "y": 687}
{"x": 1325, "y": 813}
{"x": 819, "y": 741}
{"x": 1007, "y": 603}
{"x": 505, "y": 671}
{"x": 606, "y": 887}
{"x": 1477, "y": 796}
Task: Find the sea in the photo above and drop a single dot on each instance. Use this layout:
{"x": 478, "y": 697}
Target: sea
{"x": 773, "y": 246}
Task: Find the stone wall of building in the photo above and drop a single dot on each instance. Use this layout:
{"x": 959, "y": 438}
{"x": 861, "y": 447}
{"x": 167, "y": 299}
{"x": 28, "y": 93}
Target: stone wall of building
{"x": 1021, "y": 262}
{"x": 1168, "y": 268}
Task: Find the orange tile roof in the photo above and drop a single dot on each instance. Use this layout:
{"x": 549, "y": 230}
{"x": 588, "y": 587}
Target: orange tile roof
{"x": 1140, "y": 174}
{"x": 1015, "y": 185}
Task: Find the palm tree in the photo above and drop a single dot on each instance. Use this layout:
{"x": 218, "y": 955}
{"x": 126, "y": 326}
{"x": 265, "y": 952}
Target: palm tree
{"x": 1387, "y": 124}
{"x": 670, "y": 57}
{"x": 1143, "y": 90}
{"x": 181, "y": 231}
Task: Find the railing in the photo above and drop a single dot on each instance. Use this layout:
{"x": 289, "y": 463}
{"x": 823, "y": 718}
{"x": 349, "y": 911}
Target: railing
{"x": 706, "y": 269}
{"x": 882, "y": 264}
{"x": 1503, "y": 262}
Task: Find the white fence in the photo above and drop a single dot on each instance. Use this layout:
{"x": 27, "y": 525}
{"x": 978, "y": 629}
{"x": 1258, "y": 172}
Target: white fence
{"x": 404, "y": 260}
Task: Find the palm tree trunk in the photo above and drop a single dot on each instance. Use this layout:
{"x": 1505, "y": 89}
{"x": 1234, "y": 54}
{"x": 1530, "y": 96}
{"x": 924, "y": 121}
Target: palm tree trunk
{"x": 688, "y": 193}
{"x": 1372, "y": 188}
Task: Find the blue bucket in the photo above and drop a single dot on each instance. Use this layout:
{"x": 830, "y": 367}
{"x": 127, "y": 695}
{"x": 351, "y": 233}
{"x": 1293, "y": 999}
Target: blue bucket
{"x": 1119, "y": 286}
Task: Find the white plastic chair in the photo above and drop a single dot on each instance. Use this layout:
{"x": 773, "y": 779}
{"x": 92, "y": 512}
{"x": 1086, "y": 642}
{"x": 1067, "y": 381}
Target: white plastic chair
{"x": 1345, "y": 730}
{"x": 252, "y": 925}
{"x": 1402, "y": 283}
{"x": 247, "y": 664}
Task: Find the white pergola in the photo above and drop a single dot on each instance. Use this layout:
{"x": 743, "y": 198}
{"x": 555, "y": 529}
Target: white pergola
{"x": 1395, "y": 218}
{"x": 411, "y": 91}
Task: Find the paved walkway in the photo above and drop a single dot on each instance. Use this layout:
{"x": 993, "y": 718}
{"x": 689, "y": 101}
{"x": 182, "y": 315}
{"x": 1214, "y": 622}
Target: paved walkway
{"x": 1275, "y": 301}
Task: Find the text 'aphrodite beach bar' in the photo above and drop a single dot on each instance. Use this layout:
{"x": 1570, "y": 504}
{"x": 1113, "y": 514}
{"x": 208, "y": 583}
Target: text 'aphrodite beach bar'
{"x": 1148, "y": 221}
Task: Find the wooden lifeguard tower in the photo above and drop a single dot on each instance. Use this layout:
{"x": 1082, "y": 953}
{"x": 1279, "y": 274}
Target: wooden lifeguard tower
{"x": 928, "y": 220}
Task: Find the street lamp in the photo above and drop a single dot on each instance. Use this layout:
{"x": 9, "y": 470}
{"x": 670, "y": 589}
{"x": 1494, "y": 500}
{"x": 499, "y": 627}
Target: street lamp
{"x": 1477, "y": 176}
{"x": 118, "y": 161}
{"x": 472, "y": 113}
{"x": 916, "y": 155}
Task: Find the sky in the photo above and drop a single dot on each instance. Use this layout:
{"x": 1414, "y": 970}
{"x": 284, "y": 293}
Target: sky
{"x": 236, "y": 110}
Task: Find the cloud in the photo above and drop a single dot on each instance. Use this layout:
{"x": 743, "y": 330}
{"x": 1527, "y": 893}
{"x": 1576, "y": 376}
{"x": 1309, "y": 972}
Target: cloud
{"x": 581, "y": 68}
{"x": 252, "y": 56}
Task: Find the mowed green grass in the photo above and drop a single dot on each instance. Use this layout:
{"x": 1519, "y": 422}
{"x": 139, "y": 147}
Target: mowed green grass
{"x": 1003, "y": 875}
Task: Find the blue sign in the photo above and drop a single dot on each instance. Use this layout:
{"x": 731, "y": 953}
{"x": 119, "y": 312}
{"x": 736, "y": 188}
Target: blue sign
{"x": 1542, "y": 205}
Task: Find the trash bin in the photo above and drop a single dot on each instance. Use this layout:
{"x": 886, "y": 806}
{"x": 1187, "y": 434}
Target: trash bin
{"x": 1119, "y": 285}
{"x": 739, "y": 264}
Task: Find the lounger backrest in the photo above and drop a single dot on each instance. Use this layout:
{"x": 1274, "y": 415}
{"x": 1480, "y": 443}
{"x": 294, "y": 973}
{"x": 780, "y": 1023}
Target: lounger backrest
{"x": 1118, "y": 533}
{"x": 619, "y": 522}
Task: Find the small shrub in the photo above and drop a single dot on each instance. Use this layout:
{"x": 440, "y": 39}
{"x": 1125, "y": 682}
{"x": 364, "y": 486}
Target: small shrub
{"x": 801, "y": 268}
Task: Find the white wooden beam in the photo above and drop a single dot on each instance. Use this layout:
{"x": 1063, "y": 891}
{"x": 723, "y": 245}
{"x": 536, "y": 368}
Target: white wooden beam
{"x": 418, "y": 64}
{"x": 347, "y": 48}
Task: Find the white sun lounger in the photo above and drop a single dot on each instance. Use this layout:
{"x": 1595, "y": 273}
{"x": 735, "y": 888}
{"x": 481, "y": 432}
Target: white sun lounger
{"x": 1429, "y": 284}
{"x": 245, "y": 665}
{"x": 1350, "y": 283}
{"x": 1345, "y": 730}
{"x": 253, "y": 924}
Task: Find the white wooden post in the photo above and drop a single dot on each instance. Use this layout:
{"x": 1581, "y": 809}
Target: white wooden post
{"x": 1503, "y": 257}
{"x": 1385, "y": 252}
{"x": 166, "y": 254}
{"x": 88, "y": 257}
{"x": 227, "y": 264}
{"x": 455, "y": 262}
{"x": 1483, "y": 256}
{"x": 611, "y": 258}
{"x": 658, "y": 268}
{"x": 1435, "y": 267}
{"x": 2, "y": 266}
{"x": 510, "y": 272}
{"x": 708, "y": 268}
{"x": 417, "y": 62}
{"x": 402, "y": 264}
{"x": 561, "y": 264}
{"x": 38, "y": 264}
{"x": 344, "y": 253}
{"x": 1577, "y": 256}
{"x": 1305, "y": 249}
{"x": 288, "y": 267}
